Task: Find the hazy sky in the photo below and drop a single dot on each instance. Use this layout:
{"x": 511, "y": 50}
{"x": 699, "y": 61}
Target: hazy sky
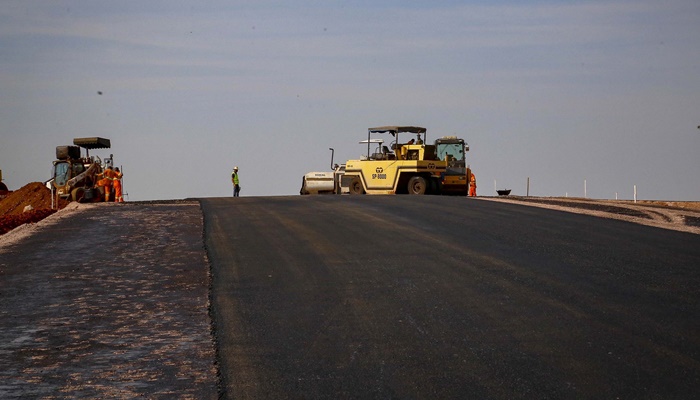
{"x": 557, "y": 91}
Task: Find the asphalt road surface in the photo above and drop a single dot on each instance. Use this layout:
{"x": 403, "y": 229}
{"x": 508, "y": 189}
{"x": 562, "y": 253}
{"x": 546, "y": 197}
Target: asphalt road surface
{"x": 347, "y": 297}
{"x": 445, "y": 297}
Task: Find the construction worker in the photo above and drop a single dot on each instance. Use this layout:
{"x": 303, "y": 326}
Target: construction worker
{"x": 117, "y": 183}
{"x": 472, "y": 185}
{"x": 236, "y": 182}
{"x": 106, "y": 182}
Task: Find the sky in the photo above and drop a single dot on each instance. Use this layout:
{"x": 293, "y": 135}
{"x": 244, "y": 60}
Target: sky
{"x": 579, "y": 97}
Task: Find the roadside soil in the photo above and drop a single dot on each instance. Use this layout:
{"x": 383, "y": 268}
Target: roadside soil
{"x": 681, "y": 216}
{"x": 35, "y": 198}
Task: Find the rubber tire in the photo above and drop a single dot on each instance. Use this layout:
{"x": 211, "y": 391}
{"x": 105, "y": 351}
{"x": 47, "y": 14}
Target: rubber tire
{"x": 356, "y": 186}
{"x": 99, "y": 194}
{"x": 78, "y": 194}
{"x": 417, "y": 185}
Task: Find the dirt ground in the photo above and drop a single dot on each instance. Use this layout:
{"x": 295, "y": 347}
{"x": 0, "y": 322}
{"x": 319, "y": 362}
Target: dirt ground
{"x": 686, "y": 205}
{"x": 681, "y": 216}
{"x": 34, "y": 195}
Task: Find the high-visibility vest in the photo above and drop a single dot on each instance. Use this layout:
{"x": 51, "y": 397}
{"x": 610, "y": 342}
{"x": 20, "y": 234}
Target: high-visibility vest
{"x": 234, "y": 178}
{"x": 110, "y": 174}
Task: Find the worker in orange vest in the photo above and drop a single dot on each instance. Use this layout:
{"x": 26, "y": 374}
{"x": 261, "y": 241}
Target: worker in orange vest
{"x": 117, "y": 183}
{"x": 106, "y": 182}
{"x": 472, "y": 185}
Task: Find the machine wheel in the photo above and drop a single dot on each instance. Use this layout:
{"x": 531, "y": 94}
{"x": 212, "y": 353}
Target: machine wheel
{"x": 356, "y": 186}
{"x": 78, "y": 194}
{"x": 98, "y": 194}
{"x": 417, "y": 185}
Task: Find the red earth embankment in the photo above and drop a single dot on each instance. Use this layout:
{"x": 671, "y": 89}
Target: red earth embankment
{"x": 34, "y": 194}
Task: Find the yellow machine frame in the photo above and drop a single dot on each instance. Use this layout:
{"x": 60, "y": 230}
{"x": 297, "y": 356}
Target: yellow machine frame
{"x": 410, "y": 168}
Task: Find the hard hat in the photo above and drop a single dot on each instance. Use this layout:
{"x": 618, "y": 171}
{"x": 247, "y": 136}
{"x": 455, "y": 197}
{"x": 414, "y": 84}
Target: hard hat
{"x": 235, "y": 168}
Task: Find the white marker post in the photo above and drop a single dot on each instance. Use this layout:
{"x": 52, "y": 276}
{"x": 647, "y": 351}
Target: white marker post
{"x": 635, "y": 193}
{"x": 585, "y": 194}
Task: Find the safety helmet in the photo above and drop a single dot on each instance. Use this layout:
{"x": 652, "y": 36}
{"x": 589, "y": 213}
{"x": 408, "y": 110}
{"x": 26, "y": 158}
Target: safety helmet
{"x": 235, "y": 168}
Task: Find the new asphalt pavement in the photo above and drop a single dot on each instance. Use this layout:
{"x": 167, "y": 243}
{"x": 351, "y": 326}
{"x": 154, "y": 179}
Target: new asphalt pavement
{"x": 446, "y": 297}
{"x": 347, "y": 297}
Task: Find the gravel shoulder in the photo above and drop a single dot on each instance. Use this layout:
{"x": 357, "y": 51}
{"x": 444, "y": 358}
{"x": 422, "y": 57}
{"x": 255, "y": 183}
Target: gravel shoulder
{"x": 107, "y": 301}
{"x": 683, "y": 216}
{"x": 24, "y": 231}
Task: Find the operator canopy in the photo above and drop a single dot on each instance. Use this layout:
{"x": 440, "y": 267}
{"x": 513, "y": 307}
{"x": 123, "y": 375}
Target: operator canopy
{"x": 92, "y": 143}
{"x": 396, "y": 129}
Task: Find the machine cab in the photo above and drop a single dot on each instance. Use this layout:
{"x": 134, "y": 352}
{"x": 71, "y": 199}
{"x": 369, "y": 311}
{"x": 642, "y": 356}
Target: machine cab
{"x": 452, "y": 150}
{"x": 61, "y": 173}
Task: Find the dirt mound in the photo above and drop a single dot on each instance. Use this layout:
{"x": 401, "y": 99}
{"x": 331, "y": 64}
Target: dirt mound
{"x": 34, "y": 194}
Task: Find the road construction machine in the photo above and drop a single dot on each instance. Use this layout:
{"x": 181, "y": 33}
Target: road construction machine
{"x": 333, "y": 182}
{"x": 455, "y": 179}
{"x": 4, "y": 191}
{"x": 76, "y": 177}
{"x": 410, "y": 167}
